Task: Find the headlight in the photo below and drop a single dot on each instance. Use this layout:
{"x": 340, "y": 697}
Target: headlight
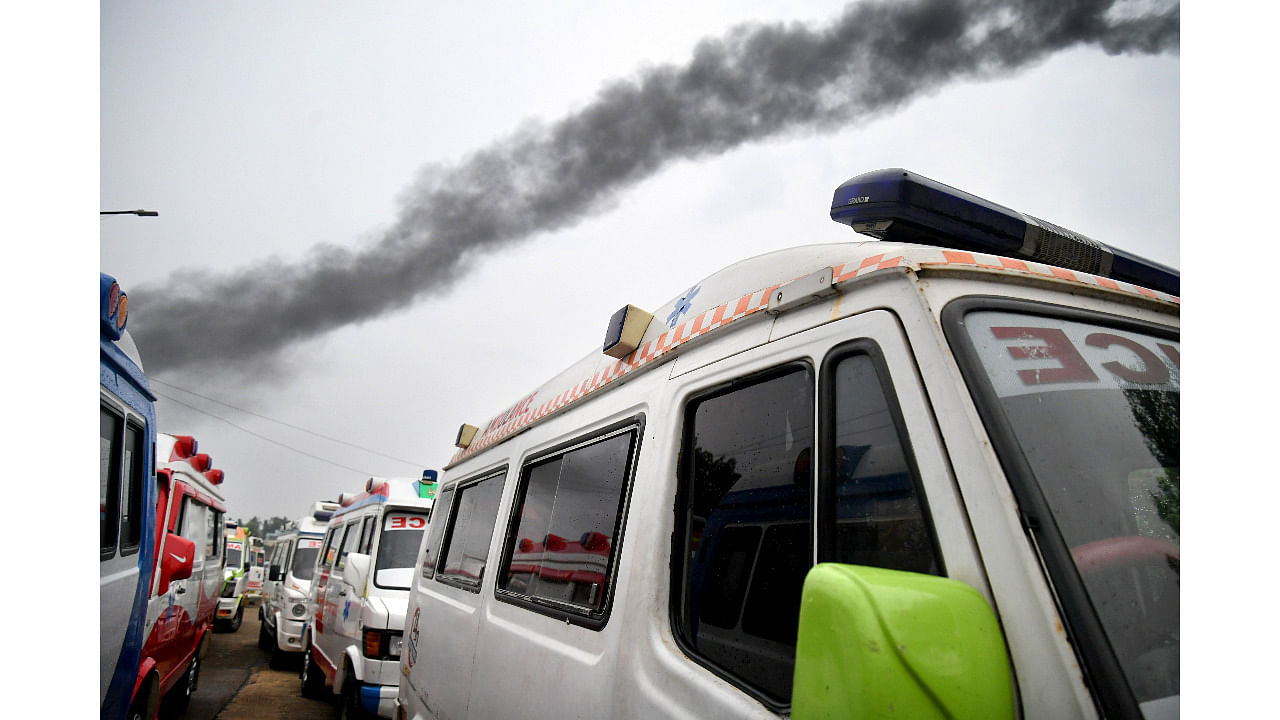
{"x": 298, "y": 610}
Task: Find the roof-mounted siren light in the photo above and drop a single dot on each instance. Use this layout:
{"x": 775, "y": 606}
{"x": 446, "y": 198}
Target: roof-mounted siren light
{"x": 113, "y": 306}
{"x": 902, "y": 206}
{"x": 184, "y": 446}
{"x": 427, "y": 485}
{"x": 466, "y": 434}
{"x": 201, "y": 462}
{"x": 625, "y": 331}
{"x": 214, "y": 476}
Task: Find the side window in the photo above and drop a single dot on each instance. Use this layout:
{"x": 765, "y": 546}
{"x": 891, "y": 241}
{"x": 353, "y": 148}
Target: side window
{"x": 745, "y": 535}
{"x": 330, "y": 551}
{"x": 212, "y": 537}
{"x": 564, "y": 535}
{"x": 195, "y": 527}
{"x": 131, "y": 489}
{"x": 366, "y": 535}
{"x": 349, "y": 542}
{"x": 435, "y": 533}
{"x": 109, "y": 451}
{"x": 466, "y": 543}
{"x": 869, "y": 481}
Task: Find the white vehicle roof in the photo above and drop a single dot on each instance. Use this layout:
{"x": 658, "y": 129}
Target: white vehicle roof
{"x": 769, "y": 282}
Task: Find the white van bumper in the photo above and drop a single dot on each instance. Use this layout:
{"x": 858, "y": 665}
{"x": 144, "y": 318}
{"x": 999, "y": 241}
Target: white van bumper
{"x": 380, "y": 699}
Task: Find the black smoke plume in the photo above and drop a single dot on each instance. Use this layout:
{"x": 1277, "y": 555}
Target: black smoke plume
{"x": 755, "y": 82}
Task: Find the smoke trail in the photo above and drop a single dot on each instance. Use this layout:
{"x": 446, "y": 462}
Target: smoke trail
{"x": 755, "y": 82}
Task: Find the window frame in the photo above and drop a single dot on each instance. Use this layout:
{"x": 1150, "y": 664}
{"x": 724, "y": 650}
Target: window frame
{"x": 561, "y": 610}
{"x": 683, "y": 503}
{"x": 115, "y": 460}
{"x": 459, "y": 488}
{"x": 825, "y": 503}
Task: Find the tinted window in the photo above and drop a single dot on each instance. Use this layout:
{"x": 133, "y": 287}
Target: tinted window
{"x": 880, "y": 520}
{"x": 131, "y": 489}
{"x": 435, "y": 535}
{"x": 349, "y": 542}
{"x": 330, "y": 552}
{"x": 366, "y": 535}
{"x": 567, "y": 524}
{"x": 467, "y": 540}
{"x": 109, "y": 479}
{"x": 747, "y": 534}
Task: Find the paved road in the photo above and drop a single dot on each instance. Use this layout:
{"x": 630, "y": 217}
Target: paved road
{"x": 237, "y": 684}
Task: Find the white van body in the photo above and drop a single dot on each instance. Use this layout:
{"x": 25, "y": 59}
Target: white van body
{"x": 652, "y": 606}
{"x": 358, "y": 595}
{"x": 283, "y": 612}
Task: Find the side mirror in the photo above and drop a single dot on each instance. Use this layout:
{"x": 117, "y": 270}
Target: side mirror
{"x": 356, "y": 571}
{"x": 875, "y": 643}
{"x": 275, "y": 574}
{"x": 179, "y": 555}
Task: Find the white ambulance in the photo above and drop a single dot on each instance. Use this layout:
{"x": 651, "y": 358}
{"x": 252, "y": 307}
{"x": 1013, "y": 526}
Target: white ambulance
{"x": 188, "y": 574}
{"x": 931, "y": 475}
{"x": 357, "y": 598}
{"x": 231, "y": 600}
{"x": 284, "y": 596}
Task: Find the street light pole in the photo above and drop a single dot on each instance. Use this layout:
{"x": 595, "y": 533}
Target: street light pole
{"x": 140, "y": 213}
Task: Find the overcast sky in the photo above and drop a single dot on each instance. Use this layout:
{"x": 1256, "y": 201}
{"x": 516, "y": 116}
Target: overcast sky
{"x": 261, "y": 131}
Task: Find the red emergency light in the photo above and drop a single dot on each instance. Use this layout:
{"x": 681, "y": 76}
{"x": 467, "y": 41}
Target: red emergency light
{"x": 201, "y": 462}
{"x": 214, "y": 476}
{"x": 184, "y": 446}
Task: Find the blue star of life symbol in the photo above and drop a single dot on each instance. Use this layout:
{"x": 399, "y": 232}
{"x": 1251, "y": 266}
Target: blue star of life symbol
{"x": 346, "y": 610}
{"x": 682, "y": 307}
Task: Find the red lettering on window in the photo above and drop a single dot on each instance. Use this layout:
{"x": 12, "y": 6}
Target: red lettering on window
{"x": 417, "y": 523}
{"x": 1153, "y": 373}
{"x": 1073, "y": 367}
{"x": 397, "y": 523}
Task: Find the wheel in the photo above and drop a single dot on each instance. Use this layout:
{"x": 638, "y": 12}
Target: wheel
{"x": 279, "y": 659}
{"x": 351, "y": 707}
{"x": 180, "y": 696}
{"x": 234, "y": 625}
{"x": 312, "y": 677}
{"x": 265, "y": 639}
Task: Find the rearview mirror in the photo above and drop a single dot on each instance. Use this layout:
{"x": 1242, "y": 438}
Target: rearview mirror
{"x": 177, "y": 562}
{"x": 880, "y": 643}
{"x": 356, "y": 571}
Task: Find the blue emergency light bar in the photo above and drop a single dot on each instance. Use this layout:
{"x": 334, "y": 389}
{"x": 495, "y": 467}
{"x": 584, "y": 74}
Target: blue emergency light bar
{"x": 905, "y": 207}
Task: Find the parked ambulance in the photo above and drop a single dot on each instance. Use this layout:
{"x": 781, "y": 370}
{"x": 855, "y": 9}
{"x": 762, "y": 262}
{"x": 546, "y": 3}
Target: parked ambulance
{"x": 257, "y": 569}
{"x": 934, "y": 474}
{"x": 284, "y": 597}
{"x": 357, "y": 598}
{"x": 235, "y": 579}
{"x": 187, "y": 576}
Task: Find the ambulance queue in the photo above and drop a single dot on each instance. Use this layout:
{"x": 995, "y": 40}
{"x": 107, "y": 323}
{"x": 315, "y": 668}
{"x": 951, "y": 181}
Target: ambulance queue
{"x": 930, "y": 474}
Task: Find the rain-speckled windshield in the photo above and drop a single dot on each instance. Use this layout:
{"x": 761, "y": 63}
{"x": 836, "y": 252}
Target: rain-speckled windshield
{"x": 1093, "y": 411}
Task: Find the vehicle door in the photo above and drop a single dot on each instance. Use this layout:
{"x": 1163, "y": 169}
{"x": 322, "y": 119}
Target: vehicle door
{"x": 329, "y": 596}
{"x": 349, "y": 603}
{"x": 817, "y": 447}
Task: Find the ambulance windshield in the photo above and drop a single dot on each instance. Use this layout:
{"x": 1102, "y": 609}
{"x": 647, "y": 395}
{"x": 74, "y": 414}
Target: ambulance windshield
{"x": 1086, "y": 415}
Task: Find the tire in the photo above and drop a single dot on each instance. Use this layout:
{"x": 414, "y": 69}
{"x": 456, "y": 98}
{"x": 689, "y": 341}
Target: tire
{"x": 312, "y": 677}
{"x": 180, "y": 696}
{"x": 280, "y": 659}
{"x": 234, "y": 625}
{"x": 351, "y": 707}
{"x": 266, "y": 641}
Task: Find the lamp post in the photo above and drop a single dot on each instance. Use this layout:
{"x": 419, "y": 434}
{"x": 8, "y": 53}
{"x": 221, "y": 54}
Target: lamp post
{"x": 140, "y": 213}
